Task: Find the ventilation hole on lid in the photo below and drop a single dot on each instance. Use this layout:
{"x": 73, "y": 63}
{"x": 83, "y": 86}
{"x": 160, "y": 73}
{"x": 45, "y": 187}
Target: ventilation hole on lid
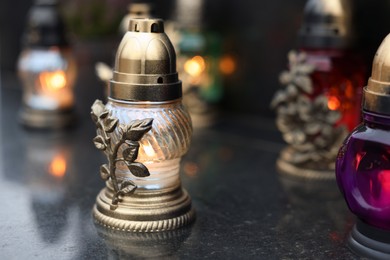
{"x": 154, "y": 28}
{"x": 160, "y": 80}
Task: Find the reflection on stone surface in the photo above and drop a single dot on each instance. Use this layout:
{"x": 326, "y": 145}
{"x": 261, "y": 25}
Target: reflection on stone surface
{"x": 45, "y": 216}
{"x": 48, "y": 175}
{"x": 45, "y": 195}
{"x": 240, "y": 202}
{"x": 311, "y": 206}
{"x": 302, "y": 191}
{"x": 128, "y": 245}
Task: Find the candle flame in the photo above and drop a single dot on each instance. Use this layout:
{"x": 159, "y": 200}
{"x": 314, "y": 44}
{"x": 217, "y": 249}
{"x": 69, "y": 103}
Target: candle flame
{"x": 52, "y": 80}
{"x": 149, "y": 150}
{"x": 227, "y": 65}
{"x": 333, "y": 103}
{"x": 195, "y": 66}
{"x": 57, "y": 167}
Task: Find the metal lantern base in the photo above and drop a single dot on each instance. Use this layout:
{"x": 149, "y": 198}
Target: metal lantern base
{"x": 369, "y": 241}
{"x": 145, "y": 210}
{"x": 125, "y": 245}
{"x": 45, "y": 119}
{"x": 285, "y": 167}
{"x": 288, "y": 164}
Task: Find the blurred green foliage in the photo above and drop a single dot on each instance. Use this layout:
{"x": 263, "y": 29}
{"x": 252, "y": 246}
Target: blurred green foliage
{"x": 93, "y": 18}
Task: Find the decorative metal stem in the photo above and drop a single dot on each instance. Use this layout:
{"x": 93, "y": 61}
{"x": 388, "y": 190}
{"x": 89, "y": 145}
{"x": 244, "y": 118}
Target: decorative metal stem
{"x": 129, "y": 134}
{"x": 112, "y": 163}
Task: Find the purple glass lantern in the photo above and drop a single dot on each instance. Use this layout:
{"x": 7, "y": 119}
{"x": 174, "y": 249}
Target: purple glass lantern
{"x": 363, "y": 164}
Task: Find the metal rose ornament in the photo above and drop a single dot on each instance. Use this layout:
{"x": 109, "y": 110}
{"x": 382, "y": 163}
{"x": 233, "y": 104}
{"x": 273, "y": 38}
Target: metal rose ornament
{"x": 144, "y": 130}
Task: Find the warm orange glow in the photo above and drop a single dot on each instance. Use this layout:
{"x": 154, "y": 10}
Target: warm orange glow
{"x": 195, "y": 66}
{"x": 57, "y": 167}
{"x": 52, "y": 80}
{"x": 349, "y": 91}
{"x": 149, "y": 150}
{"x": 227, "y": 65}
{"x": 333, "y": 103}
{"x": 191, "y": 169}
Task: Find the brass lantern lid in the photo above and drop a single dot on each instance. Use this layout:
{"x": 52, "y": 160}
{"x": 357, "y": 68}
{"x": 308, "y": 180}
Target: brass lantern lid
{"x": 145, "y": 64}
{"x": 377, "y": 92}
{"x": 327, "y": 24}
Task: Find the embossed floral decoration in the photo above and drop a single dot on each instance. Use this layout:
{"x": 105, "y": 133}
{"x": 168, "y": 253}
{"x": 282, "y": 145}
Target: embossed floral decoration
{"x": 128, "y": 135}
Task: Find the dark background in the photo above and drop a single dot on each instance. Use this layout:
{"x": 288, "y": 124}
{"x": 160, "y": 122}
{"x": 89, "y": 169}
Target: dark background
{"x": 257, "y": 33}
{"x": 244, "y": 208}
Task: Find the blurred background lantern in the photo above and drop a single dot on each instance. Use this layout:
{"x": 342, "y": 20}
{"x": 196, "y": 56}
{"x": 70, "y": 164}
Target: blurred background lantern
{"x": 47, "y": 69}
{"x": 255, "y": 38}
{"x": 363, "y": 164}
{"x": 321, "y": 100}
{"x": 199, "y": 60}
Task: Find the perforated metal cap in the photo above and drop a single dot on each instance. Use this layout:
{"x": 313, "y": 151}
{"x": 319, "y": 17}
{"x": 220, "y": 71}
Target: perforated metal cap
{"x": 145, "y": 64}
{"x": 377, "y": 93}
{"x": 327, "y": 24}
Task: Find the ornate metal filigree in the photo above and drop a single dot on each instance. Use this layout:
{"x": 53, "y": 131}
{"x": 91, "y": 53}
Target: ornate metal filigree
{"x": 306, "y": 122}
{"x": 128, "y": 135}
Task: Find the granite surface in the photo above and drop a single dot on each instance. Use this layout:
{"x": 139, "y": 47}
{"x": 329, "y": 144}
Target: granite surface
{"x": 245, "y": 210}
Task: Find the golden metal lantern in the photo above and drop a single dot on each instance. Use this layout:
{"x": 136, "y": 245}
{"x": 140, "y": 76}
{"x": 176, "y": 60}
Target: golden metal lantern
{"x": 144, "y": 130}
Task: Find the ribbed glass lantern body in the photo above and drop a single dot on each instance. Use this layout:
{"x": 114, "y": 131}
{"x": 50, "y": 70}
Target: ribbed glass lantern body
{"x": 162, "y": 147}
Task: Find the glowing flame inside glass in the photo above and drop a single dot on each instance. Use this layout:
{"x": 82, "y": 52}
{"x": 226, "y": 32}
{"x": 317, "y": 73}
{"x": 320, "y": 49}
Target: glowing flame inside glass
{"x": 52, "y": 81}
{"x": 195, "y": 66}
{"x": 149, "y": 150}
{"x": 333, "y": 103}
{"x": 160, "y": 149}
{"x": 48, "y": 77}
{"x": 57, "y": 167}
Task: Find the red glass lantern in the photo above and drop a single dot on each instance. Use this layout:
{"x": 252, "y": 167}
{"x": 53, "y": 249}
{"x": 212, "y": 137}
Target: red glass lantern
{"x": 339, "y": 75}
{"x": 321, "y": 101}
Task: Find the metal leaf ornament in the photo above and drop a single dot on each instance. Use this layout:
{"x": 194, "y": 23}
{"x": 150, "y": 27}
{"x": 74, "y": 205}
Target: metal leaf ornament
{"x": 127, "y": 140}
{"x": 306, "y": 123}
